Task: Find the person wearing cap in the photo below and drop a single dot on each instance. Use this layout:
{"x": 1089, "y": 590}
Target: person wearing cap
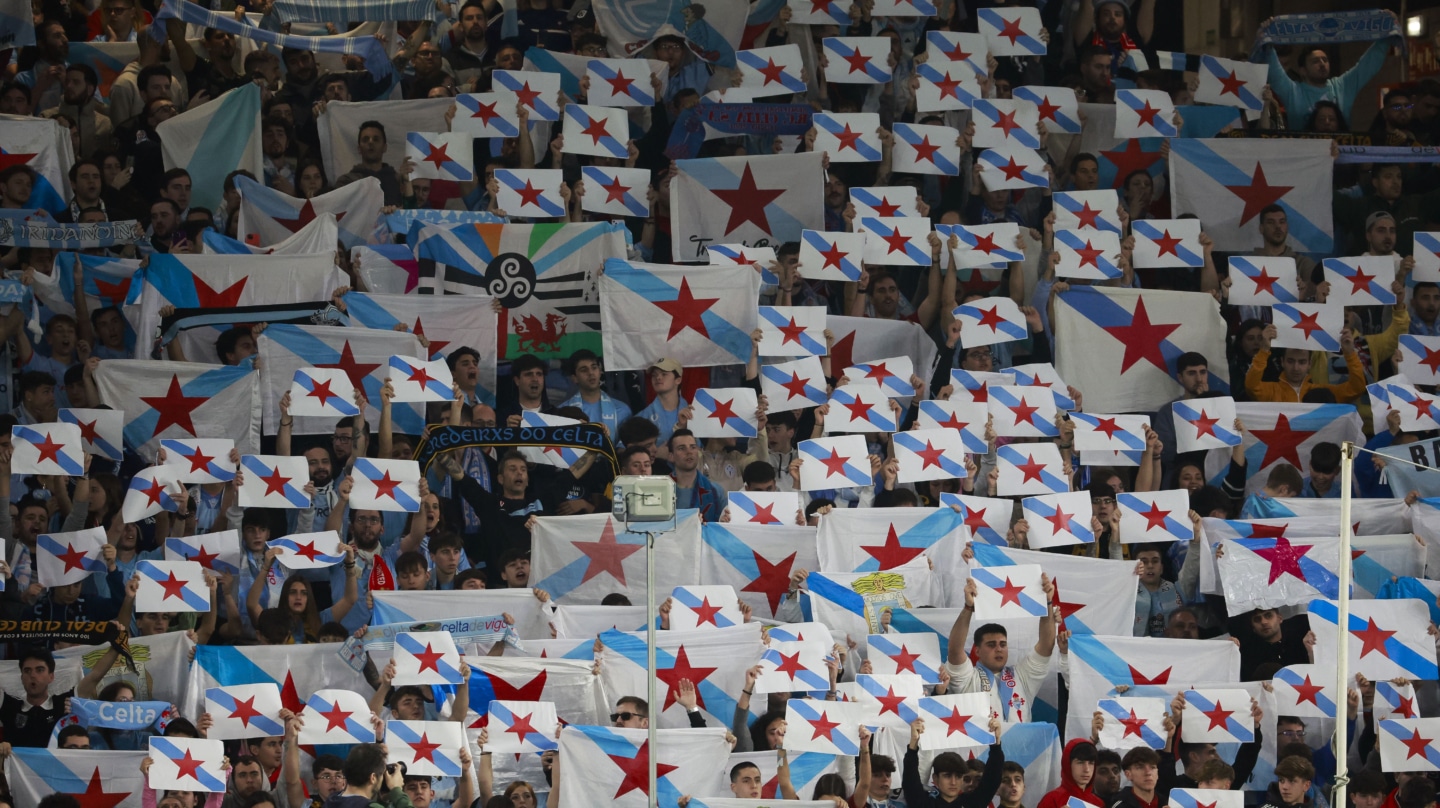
{"x": 1353, "y": 215}
{"x": 586, "y": 370}
{"x": 1316, "y": 83}
{"x": 665, "y": 411}
{"x": 1107, "y": 23}
{"x": 686, "y": 71}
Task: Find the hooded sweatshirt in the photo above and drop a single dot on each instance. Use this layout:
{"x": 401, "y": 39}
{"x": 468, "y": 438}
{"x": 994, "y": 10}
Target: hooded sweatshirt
{"x": 1060, "y": 797}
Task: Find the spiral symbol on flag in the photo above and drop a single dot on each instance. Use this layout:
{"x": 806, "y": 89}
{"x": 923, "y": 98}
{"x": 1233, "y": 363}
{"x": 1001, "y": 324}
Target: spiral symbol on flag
{"x": 510, "y": 278}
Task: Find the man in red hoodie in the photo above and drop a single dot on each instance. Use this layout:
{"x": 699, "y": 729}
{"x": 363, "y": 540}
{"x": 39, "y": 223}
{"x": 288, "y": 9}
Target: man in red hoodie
{"x": 1077, "y": 769}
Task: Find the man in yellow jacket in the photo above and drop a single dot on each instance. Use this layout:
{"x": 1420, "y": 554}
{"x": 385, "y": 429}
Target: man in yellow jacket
{"x": 1295, "y": 382}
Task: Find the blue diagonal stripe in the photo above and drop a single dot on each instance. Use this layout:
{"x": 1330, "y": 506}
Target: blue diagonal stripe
{"x": 292, "y": 493}
{"x": 947, "y": 465}
{"x": 443, "y": 762}
{"x": 992, "y": 18}
{"x": 1063, "y": 122}
{"x": 414, "y": 648}
{"x": 873, "y": 416}
{"x": 1242, "y": 733}
{"x": 812, "y": 393}
{"x": 1152, "y": 232}
{"x": 937, "y": 158}
{"x": 1151, "y": 737}
{"x": 853, "y": 473}
{"x": 1417, "y": 665}
{"x": 788, "y": 80}
{"x": 973, "y": 730}
{"x": 869, "y": 685}
{"x": 1321, "y": 338}
{"x": 687, "y": 598}
{"x": 868, "y": 199}
{"x": 994, "y": 159}
{"x": 1103, "y": 264}
{"x": 1323, "y": 701}
{"x": 652, "y": 287}
{"x": 1044, "y": 509}
{"x": 638, "y": 89}
{"x": 886, "y": 644}
{"x": 1162, "y": 127}
{"x": 1106, "y": 219}
{"x": 841, "y": 50}
{"x": 498, "y": 123}
{"x": 1173, "y": 526}
{"x": 542, "y": 108}
{"x": 535, "y": 739}
{"x": 264, "y": 726}
{"x": 636, "y": 205}
{"x": 370, "y": 472}
{"x": 836, "y": 735}
{"x": 609, "y": 142}
{"x": 1212, "y": 65}
{"x": 808, "y": 343}
{"x": 1251, "y": 270}
{"x": 511, "y": 181}
{"x": 1200, "y": 154}
{"x": 993, "y": 581}
{"x": 63, "y": 460}
{"x": 193, "y": 599}
{"x": 1394, "y": 730}
{"x": 991, "y": 114}
{"x": 1036, "y": 421}
{"x": 1048, "y": 478}
{"x": 862, "y": 147}
{"x": 168, "y": 748}
{"x": 362, "y": 733}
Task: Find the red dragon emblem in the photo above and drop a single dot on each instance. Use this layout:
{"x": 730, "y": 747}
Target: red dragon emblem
{"x": 535, "y": 336}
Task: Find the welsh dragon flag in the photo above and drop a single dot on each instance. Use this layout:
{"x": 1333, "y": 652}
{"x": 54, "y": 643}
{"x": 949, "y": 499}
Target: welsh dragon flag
{"x": 543, "y": 274}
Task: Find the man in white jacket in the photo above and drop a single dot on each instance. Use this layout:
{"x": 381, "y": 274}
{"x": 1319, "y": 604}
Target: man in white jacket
{"x": 1012, "y": 689}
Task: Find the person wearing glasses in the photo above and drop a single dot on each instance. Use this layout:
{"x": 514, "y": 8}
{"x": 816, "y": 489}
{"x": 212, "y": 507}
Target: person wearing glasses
{"x": 633, "y": 712}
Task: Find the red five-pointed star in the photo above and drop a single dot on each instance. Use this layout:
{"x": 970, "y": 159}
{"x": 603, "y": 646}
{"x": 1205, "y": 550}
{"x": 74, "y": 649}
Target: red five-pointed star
{"x": 74, "y": 559}
{"x": 1047, "y": 110}
{"x": 1415, "y": 745}
{"x": 823, "y": 727}
{"x": 606, "y": 555}
{"x": 890, "y": 703}
{"x": 385, "y": 487}
{"x": 772, "y": 72}
{"x": 747, "y": 202}
{"x": 858, "y": 61}
{"x": 705, "y": 613}
{"x": 487, "y": 111}
{"x": 892, "y": 553}
{"x": 930, "y": 455}
{"x": 796, "y": 386}
{"x": 1360, "y": 282}
{"x": 1372, "y": 638}
{"x": 991, "y": 317}
{"x": 948, "y": 86}
{"x": 1009, "y": 593}
{"x": 620, "y": 85}
{"x": 527, "y": 96}
{"x": 1431, "y": 360}
{"x": 637, "y": 770}
{"x": 429, "y": 658}
{"x": 1087, "y": 216}
{"x": 686, "y": 310}
{"x": 1023, "y": 411}
{"x": 682, "y": 669}
{"x": 924, "y": 151}
{"x": 1142, "y": 339}
{"x": 1282, "y": 442}
{"x": 1147, "y": 114}
{"x": 1012, "y": 31}
{"x": 529, "y": 195}
{"x": 335, "y": 718}
{"x": 1013, "y": 170}
{"x": 1217, "y": 716}
{"x": 245, "y": 710}
{"x": 1155, "y": 518}
{"x": 1005, "y": 121}
{"x": 49, "y": 448}
{"x": 275, "y": 482}
{"x": 615, "y": 192}
{"x": 885, "y": 208}
{"x": 791, "y": 332}
{"x": 955, "y": 722}
{"x": 765, "y": 515}
{"x": 596, "y": 129}
{"x": 1309, "y": 323}
{"x": 723, "y": 412}
{"x": 199, "y": 461}
{"x": 897, "y": 241}
{"x": 88, "y": 432}
{"x": 1030, "y": 469}
{"x": 174, "y": 587}
{"x": 1406, "y": 707}
{"x": 1231, "y": 84}
{"x": 357, "y": 371}
{"x": 986, "y": 243}
{"x": 1133, "y": 725}
{"x": 322, "y": 391}
{"x": 835, "y": 255}
{"x": 1265, "y": 282}
{"x": 773, "y": 580}
{"x": 1108, "y": 426}
{"x": 521, "y": 725}
{"x": 308, "y": 550}
{"x": 1307, "y": 692}
{"x": 834, "y": 464}
{"x": 1089, "y": 255}
{"x": 438, "y": 155}
{"x": 790, "y": 665}
{"x": 848, "y": 138}
{"x": 905, "y": 661}
{"x": 188, "y": 766}
{"x": 1258, "y": 194}
{"x": 1204, "y": 425}
{"x": 1059, "y": 521}
{"x": 424, "y": 748}
{"x": 174, "y": 408}
{"x": 1168, "y": 244}
{"x": 205, "y": 558}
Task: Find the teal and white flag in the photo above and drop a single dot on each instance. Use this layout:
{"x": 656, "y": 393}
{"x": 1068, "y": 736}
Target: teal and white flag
{"x": 203, "y": 141}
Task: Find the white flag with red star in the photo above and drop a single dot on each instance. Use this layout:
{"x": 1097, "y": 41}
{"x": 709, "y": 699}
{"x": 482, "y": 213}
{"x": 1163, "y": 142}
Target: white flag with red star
{"x": 1088, "y": 210}
{"x": 1012, "y": 591}
{"x": 764, "y": 507}
{"x": 1388, "y": 638}
{"x": 620, "y": 82}
{"x": 189, "y": 764}
{"x": 244, "y": 711}
{"x": 696, "y": 315}
{"x": 1205, "y": 423}
{"x": 929, "y": 454}
{"x": 1002, "y": 122}
{"x": 841, "y": 461}
{"x": 581, "y": 559}
{"x": 1132, "y": 722}
{"x": 1286, "y": 433}
{"x": 103, "y": 431}
{"x": 1231, "y": 83}
{"x": 1007, "y": 167}
{"x": 730, "y": 412}
{"x": 1228, "y": 181}
{"x": 789, "y": 386}
{"x": 47, "y": 449}
{"x": 1030, "y": 468}
{"x": 831, "y": 256}
{"x": 322, "y": 391}
{"x": 695, "y": 607}
{"x": 66, "y": 558}
{"x": 1418, "y": 411}
{"x": 200, "y": 460}
{"x": 1270, "y": 573}
{"x": 955, "y": 721}
{"x": 385, "y": 485}
{"x": 615, "y": 191}
{"x": 1058, "y": 107}
{"x": 362, "y": 354}
{"x": 1109, "y": 433}
{"x": 712, "y": 659}
{"x": 987, "y": 518}
{"x": 182, "y": 400}
{"x": 867, "y": 539}
{"x": 1012, "y": 31}
{"x": 790, "y": 666}
{"x": 1427, "y": 257}
{"x": 1144, "y": 113}
{"x": 426, "y": 658}
{"x": 792, "y": 330}
{"x": 1394, "y": 701}
{"x": 151, "y": 491}
{"x": 1409, "y": 744}
{"x": 304, "y": 551}
{"x": 989, "y": 321}
{"x": 1155, "y": 516}
{"x": 614, "y": 764}
{"x": 441, "y": 155}
{"x": 171, "y": 586}
{"x": 336, "y": 716}
{"x": 1058, "y": 520}
{"x": 848, "y": 138}
{"x": 897, "y": 241}
{"x": 757, "y": 559}
{"x": 967, "y": 50}
{"x": 777, "y": 70}
{"x": 268, "y": 217}
{"x": 1309, "y": 692}
{"x": 892, "y": 654}
{"x": 530, "y": 192}
{"x": 759, "y": 200}
{"x": 487, "y": 114}
{"x": 520, "y": 727}
{"x": 1262, "y": 280}
{"x": 856, "y": 59}
{"x": 596, "y": 131}
{"x": 427, "y": 748}
{"x": 1419, "y": 359}
{"x": 1217, "y": 716}
{"x": 885, "y": 202}
{"x": 832, "y": 727}
{"x": 1167, "y": 243}
{"x": 418, "y": 380}
{"x": 273, "y": 481}
{"x": 1360, "y": 280}
{"x": 926, "y": 149}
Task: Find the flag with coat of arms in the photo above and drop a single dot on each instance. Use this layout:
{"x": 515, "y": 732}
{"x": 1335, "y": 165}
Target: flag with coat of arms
{"x": 203, "y": 141}
{"x": 714, "y": 659}
{"x": 1228, "y": 181}
{"x": 363, "y": 354}
{"x": 874, "y": 539}
{"x": 1285, "y": 433}
{"x": 614, "y": 764}
{"x": 757, "y": 560}
{"x": 697, "y": 316}
{"x": 750, "y": 200}
{"x": 45, "y": 146}
{"x": 182, "y": 400}
{"x": 1133, "y": 339}
{"x": 581, "y": 559}
{"x": 269, "y": 217}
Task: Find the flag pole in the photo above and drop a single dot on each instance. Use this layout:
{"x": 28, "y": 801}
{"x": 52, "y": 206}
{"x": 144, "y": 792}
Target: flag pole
{"x": 1342, "y": 626}
{"x": 650, "y": 668}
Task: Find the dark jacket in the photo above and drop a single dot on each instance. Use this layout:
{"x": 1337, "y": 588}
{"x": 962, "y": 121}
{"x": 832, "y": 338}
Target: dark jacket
{"x": 917, "y": 796}
{"x": 1272, "y": 799}
{"x": 1127, "y": 798}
